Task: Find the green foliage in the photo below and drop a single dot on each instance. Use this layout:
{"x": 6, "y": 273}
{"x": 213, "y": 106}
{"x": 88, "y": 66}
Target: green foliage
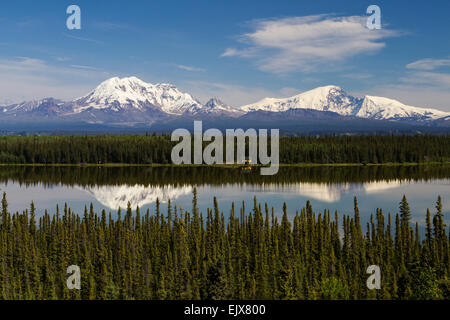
{"x": 332, "y": 289}
{"x": 140, "y": 149}
{"x": 179, "y": 255}
{"x": 425, "y": 284}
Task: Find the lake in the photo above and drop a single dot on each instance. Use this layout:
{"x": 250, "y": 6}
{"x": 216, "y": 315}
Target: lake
{"x": 330, "y": 188}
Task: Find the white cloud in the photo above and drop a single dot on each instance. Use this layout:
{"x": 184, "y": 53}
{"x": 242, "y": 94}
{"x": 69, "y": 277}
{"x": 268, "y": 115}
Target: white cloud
{"x": 189, "y": 68}
{"x": 357, "y": 76}
{"x": 244, "y": 53}
{"x": 25, "y": 78}
{"x": 82, "y": 38}
{"x": 22, "y": 64}
{"x": 428, "y": 64}
{"x": 234, "y": 95}
{"x": 415, "y": 95}
{"x": 77, "y": 66}
{"x": 307, "y": 43}
{"x": 113, "y": 26}
{"x": 441, "y": 80}
{"x": 424, "y": 89}
{"x": 230, "y": 52}
{"x": 62, "y": 59}
{"x": 426, "y": 85}
{"x": 420, "y": 86}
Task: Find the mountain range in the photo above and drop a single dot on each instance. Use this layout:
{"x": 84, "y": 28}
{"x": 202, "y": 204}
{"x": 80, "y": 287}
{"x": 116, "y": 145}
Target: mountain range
{"x": 117, "y": 196}
{"x": 130, "y": 102}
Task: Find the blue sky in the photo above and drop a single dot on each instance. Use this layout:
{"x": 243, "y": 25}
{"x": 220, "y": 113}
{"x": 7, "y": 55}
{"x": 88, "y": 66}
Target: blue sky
{"x": 238, "y": 51}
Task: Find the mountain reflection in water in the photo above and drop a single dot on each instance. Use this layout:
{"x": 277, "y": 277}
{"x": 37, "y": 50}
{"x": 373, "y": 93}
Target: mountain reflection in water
{"x": 328, "y": 188}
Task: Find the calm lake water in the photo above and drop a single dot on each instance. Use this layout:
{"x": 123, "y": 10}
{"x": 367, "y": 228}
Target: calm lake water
{"x": 330, "y": 188}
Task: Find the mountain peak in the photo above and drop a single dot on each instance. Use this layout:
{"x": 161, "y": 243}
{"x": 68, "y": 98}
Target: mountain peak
{"x": 131, "y": 100}
{"x": 323, "y": 91}
{"x": 213, "y": 102}
{"x": 119, "y": 84}
{"x": 385, "y": 108}
{"x": 333, "y": 98}
{"x": 123, "y": 80}
{"x": 131, "y": 93}
{"x": 215, "y": 106}
{"x": 326, "y": 98}
{"x": 328, "y": 88}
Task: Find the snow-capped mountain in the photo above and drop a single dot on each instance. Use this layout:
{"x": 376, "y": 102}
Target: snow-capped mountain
{"x": 5, "y": 102}
{"x": 44, "y": 108}
{"x": 216, "y": 107}
{"x": 335, "y": 99}
{"x": 138, "y": 195}
{"x": 329, "y": 98}
{"x": 329, "y": 192}
{"x": 384, "y": 108}
{"x": 130, "y": 101}
{"x": 34, "y": 107}
{"x": 114, "y": 197}
{"x": 122, "y": 100}
{"x": 119, "y": 94}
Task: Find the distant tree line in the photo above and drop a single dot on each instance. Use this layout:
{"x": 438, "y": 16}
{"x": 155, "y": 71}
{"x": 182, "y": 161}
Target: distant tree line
{"x": 251, "y": 254}
{"x": 156, "y": 149}
{"x": 203, "y": 175}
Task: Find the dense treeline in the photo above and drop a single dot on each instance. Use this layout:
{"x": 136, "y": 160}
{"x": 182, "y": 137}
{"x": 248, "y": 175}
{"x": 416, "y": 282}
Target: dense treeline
{"x": 202, "y": 175}
{"x": 252, "y": 254}
{"x": 157, "y": 149}
{"x": 365, "y": 149}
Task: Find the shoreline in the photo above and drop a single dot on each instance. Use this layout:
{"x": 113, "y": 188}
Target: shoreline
{"x": 229, "y": 166}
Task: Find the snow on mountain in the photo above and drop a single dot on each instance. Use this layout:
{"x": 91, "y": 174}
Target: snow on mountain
{"x": 114, "y": 197}
{"x": 29, "y": 105}
{"x": 216, "y": 107}
{"x": 329, "y": 192}
{"x": 384, "y": 108}
{"x": 138, "y": 195}
{"x": 5, "y": 102}
{"x": 333, "y": 98}
{"x": 126, "y": 94}
{"x": 130, "y": 100}
{"x": 45, "y": 108}
{"x": 118, "y": 94}
{"x": 328, "y": 98}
